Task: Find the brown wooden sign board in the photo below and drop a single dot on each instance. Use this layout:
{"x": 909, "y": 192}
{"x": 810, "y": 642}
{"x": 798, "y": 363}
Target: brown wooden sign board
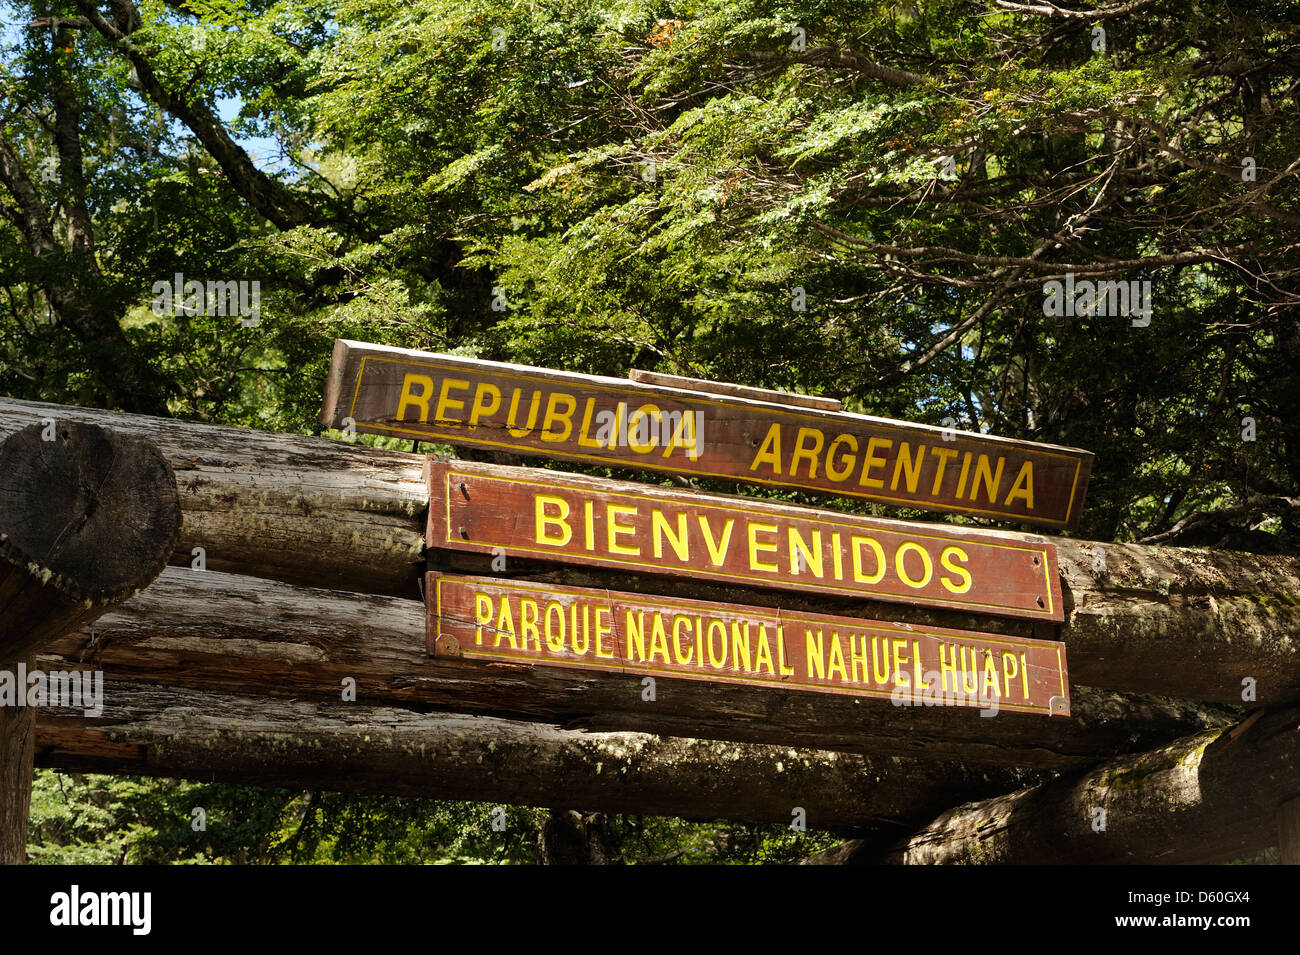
{"x": 575, "y": 519}
{"x": 486, "y": 619}
{"x": 610, "y": 421}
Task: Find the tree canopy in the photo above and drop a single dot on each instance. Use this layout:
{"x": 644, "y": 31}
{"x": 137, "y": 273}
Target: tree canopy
{"x": 865, "y": 200}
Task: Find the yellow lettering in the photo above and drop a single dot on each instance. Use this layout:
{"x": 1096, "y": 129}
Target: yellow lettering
{"x": 487, "y": 399}
{"x": 869, "y": 461}
{"x": 555, "y": 416}
{"x": 717, "y": 549}
{"x": 542, "y": 520}
{"x": 650, "y": 415}
{"x": 635, "y": 636}
{"x": 528, "y": 624}
{"x": 945, "y": 667}
{"x": 583, "y": 439}
{"x": 900, "y": 677}
{"x": 506, "y": 625}
{"x": 1023, "y": 488}
{"x": 900, "y": 564}
{"x": 848, "y": 460}
{"x": 944, "y": 455}
{"x": 965, "y": 469}
{"x": 763, "y": 657}
{"x": 1010, "y": 669}
{"x": 946, "y": 558}
{"x": 533, "y": 405}
{"x": 410, "y": 399}
{"x": 755, "y": 546}
{"x": 660, "y": 529}
{"x": 801, "y": 555}
{"x": 717, "y": 662}
{"x": 603, "y": 629}
{"x": 910, "y": 466}
{"x": 836, "y": 662}
{"x": 855, "y": 545}
{"x": 770, "y": 452}
{"x": 681, "y": 658}
{"x": 807, "y": 454}
{"x": 858, "y": 658}
{"x": 816, "y": 660}
{"x": 554, "y": 635}
{"x": 992, "y": 481}
{"x": 482, "y": 615}
{"x": 739, "y": 646}
{"x": 446, "y": 402}
{"x": 659, "y": 640}
{"x": 612, "y": 513}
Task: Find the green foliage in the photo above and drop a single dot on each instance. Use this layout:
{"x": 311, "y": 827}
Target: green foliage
{"x": 646, "y": 184}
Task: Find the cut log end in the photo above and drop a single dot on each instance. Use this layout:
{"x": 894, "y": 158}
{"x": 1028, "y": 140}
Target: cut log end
{"x": 88, "y": 517}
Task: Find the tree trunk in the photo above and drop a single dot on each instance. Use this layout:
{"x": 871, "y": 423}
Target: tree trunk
{"x": 87, "y": 518}
{"x": 1288, "y": 832}
{"x": 156, "y": 730}
{"x": 17, "y": 737}
{"x": 244, "y": 634}
{"x": 1207, "y": 797}
{"x": 1192, "y": 624}
{"x": 577, "y": 838}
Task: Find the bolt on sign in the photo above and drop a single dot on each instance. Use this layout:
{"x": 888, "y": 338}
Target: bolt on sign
{"x": 486, "y": 619}
{"x": 464, "y": 401}
{"x": 581, "y": 520}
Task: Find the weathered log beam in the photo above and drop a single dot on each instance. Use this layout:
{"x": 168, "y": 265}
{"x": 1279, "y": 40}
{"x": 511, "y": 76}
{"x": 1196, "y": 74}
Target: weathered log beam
{"x": 1214, "y": 626}
{"x": 354, "y": 747}
{"x": 88, "y": 517}
{"x": 244, "y": 634}
{"x": 279, "y": 505}
{"x": 1210, "y": 796}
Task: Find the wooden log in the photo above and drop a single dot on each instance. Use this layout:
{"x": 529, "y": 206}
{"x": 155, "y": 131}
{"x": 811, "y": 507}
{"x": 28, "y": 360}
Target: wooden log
{"x": 1204, "y": 798}
{"x": 1288, "y": 831}
{"x": 88, "y": 517}
{"x": 284, "y": 506}
{"x": 1170, "y": 621}
{"x": 262, "y": 740}
{"x": 17, "y": 738}
{"x": 243, "y": 634}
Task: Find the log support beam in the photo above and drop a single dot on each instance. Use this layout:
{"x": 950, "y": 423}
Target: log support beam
{"x": 88, "y": 518}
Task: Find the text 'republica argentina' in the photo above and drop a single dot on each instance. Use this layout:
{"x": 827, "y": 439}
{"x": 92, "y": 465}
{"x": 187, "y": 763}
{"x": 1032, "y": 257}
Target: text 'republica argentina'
{"x": 480, "y": 618}
{"x": 587, "y": 418}
{"x": 619, "y": 525}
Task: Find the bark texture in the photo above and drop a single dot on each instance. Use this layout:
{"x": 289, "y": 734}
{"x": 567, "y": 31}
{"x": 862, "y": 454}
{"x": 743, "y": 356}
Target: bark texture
{"x": 215, "y": 631}
{"x": 157, "y": 730}
{"x": 1206, "y": 797}
{"x": 1216, "y": 626}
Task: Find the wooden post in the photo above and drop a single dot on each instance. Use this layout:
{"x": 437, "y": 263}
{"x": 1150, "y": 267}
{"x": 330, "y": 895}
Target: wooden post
{"x": 1288, "y": 832}
{"x": 88, "y": 518}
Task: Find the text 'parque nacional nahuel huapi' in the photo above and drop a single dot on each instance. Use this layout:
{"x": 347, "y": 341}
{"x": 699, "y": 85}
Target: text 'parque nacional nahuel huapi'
{"x": 570, "y": 518}
{"x": 485, "y": 619}
{"x": 567, "y": 416}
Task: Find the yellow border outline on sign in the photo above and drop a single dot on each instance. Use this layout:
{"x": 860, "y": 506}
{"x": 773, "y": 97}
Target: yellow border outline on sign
{"x": 624, "y": 462}
{"x": 759, "y": 615}
{"x": 1027, "y": 549}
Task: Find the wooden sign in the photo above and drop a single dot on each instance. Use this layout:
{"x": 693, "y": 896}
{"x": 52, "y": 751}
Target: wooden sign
{"x": 465, "y": 401}
{"x": 487, "y": 619}
{"x": 574, "y": 519}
